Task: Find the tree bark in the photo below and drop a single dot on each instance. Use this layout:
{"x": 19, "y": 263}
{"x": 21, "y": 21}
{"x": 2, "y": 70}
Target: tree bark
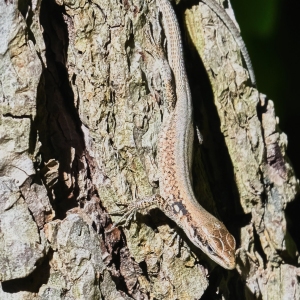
{"x": 81, "y": 110}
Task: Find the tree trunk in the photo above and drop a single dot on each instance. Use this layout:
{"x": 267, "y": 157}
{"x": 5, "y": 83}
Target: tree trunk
{"x": 81, "y": 110}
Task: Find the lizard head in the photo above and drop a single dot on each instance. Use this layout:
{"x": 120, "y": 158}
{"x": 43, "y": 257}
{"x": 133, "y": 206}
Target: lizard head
{"x": 213, "y": 238}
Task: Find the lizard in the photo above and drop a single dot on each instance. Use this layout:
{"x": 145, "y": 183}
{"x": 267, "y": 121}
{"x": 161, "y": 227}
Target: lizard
{"x": 176, "y": 198}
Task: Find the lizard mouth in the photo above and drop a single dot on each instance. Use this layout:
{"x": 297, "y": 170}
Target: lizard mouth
{"x": 225, "y": 259}
{"x": 228, "y": 263}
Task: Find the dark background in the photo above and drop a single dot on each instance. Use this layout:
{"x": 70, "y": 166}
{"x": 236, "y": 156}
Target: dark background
{"x": 271, "y": 31}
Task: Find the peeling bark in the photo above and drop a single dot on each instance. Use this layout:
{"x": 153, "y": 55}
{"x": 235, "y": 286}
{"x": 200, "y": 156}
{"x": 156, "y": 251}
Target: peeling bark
{"x": 80, "y": 112}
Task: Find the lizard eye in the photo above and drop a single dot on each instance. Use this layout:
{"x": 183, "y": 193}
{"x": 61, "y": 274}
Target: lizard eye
{"x": 210, "y": 250}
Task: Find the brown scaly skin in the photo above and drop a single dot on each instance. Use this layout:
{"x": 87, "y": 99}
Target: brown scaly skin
{"x": 175, "y": 157}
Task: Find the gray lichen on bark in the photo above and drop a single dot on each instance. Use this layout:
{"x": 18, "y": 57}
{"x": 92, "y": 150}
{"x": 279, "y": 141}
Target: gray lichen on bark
{"x": 81, "y": 102}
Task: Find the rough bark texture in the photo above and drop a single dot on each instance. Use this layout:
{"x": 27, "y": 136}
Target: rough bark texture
{"x": 80, "y": 113}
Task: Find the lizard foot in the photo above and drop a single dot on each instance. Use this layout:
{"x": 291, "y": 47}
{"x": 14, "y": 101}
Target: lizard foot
{"x": 128, "y": 213}
{"x": 176, "y": 240}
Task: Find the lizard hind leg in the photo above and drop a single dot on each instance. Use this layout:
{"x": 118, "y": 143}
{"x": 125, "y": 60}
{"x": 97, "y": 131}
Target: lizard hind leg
{"x": 160, "y": 60}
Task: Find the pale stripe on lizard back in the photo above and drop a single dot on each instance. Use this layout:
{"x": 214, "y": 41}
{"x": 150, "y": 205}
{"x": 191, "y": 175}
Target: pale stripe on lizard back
{"x": 183, "y": 111}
